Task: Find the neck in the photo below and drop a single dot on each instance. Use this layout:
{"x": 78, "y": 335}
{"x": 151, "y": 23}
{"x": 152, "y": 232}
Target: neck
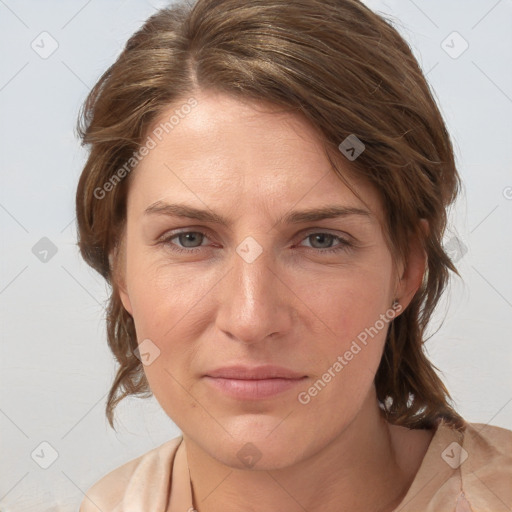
{"x": 358, "y": 470}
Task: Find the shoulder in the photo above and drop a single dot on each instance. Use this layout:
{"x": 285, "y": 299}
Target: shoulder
{"x": 107, "y": 494}
{"x": 486, "y": 465}
{"x": 489, "y": 442}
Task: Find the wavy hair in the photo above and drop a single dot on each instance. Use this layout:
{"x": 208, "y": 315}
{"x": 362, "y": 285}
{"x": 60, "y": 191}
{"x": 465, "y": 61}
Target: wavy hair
{"x": 346, "y": 70}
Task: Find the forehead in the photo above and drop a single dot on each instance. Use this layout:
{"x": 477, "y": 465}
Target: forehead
{"x": 245, "y": 155}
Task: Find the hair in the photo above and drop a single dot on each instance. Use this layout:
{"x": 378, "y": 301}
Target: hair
{"x": 343, "y": 68}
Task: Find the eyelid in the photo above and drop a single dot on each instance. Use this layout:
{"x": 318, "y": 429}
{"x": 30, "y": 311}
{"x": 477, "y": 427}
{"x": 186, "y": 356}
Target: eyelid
{"x": 329, "y": 231}
{"x": 185, "y": 229}
{"x": 169, "y": 235}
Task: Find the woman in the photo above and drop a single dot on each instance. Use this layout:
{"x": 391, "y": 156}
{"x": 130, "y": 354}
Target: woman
{"x": 266, "y": 192}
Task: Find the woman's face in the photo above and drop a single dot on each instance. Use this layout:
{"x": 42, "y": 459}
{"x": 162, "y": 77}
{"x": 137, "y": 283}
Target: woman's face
{"x": 266, "y": 286}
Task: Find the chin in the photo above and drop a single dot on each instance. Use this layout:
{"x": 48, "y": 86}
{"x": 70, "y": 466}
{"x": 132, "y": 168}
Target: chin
{"x": 259, "y": 444}
{"x": 258, "y": 455}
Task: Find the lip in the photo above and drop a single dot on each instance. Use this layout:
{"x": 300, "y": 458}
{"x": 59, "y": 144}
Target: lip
{"x": 253, "y": 383}
{"x": 267, "y": 371}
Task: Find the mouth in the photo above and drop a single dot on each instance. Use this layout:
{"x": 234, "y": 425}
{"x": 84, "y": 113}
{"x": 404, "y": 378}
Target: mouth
{"x": 256, "y": 383}
{"x": 252, "y": 389}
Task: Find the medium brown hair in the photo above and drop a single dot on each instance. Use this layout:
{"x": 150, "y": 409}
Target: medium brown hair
{"x": 347, "y": 71}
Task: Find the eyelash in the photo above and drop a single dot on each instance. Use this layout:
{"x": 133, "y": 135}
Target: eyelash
{"x": 343, "y": 244}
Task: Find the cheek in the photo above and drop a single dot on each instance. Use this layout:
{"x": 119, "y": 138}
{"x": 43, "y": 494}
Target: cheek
{"x": 348, "y": 301}
{"x": 357, "y": 319}
{"x": 339, "y": 302}
{"x": 353, "y": 311}
{"x": 161, "y": 295}
{"x": 164, "y": 313}
{"x": 170, "y": 308}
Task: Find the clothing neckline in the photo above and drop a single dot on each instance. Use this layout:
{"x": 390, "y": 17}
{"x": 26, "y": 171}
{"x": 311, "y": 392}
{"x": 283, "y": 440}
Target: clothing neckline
{"x": 430, "y": 476}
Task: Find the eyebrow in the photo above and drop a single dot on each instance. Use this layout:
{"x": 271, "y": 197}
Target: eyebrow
{"x": 293, "y": 217}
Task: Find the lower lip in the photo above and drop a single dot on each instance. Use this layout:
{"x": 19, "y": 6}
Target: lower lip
{"x": 252, "y": 389}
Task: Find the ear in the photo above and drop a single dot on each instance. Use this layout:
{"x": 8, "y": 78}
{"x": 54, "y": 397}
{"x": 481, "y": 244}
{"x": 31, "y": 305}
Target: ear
{"x": 117, "y": 265}
{"x": 414, "y": 270}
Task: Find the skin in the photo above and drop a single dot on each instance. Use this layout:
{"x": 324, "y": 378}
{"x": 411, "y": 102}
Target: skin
{"x": 295, "y": 305}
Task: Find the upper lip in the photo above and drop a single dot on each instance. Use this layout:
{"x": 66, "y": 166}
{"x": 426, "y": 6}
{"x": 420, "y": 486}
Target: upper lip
{"x": 254, "y": 372}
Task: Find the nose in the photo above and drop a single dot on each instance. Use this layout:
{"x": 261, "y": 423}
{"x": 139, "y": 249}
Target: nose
{"x": 254, "y": 301}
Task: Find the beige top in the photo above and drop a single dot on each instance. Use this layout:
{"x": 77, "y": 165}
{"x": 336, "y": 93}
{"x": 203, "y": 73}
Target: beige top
{"x": 460, "y": 472}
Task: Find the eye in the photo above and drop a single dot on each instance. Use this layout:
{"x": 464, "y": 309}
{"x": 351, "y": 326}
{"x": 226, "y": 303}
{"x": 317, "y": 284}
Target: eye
{"x": 325, "y": 240}
{"x": 190, "y": 241}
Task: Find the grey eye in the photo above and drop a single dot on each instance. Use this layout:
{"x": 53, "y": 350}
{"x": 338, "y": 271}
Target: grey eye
{"x": 190, "y": 238}
{"x": 325, "y": 240}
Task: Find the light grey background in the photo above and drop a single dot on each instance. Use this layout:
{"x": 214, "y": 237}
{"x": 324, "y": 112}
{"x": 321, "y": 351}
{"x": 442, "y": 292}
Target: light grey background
{"x": 55, "y": 367}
